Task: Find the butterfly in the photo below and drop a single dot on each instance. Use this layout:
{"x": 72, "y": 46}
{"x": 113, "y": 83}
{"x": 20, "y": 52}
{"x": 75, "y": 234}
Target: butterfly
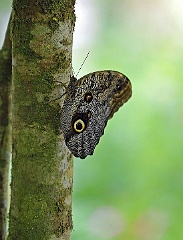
{"x": 89, "y": 103}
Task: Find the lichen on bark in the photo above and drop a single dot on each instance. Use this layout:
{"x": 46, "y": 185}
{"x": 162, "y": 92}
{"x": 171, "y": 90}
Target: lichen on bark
{"x": 5, "y": 130}
{"x": 41, "y": 199}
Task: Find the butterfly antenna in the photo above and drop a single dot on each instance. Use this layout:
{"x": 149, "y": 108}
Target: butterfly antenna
{"x": 82, "y": 64}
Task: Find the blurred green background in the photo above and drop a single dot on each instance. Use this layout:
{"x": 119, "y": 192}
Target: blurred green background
{"x": 132, "y": 187}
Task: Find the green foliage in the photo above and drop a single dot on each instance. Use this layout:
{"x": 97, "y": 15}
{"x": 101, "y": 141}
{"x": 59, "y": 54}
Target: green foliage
{"x": 137, "y": 167}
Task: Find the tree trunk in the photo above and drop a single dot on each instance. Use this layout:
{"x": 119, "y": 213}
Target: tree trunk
{"x": 5, "y": 130}
{"x": 41, "y": 188}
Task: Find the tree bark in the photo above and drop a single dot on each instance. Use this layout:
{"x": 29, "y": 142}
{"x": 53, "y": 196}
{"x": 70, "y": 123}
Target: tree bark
{"x": 5, "y": 129}
{"x": 42, "y": 168}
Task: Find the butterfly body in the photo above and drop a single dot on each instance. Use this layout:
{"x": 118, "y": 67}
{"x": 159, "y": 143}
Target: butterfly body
{"x": 90, "y": 102}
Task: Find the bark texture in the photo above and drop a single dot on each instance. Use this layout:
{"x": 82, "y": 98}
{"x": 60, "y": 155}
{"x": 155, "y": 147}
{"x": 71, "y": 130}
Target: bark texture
{"x": 42, "y": 168}
{"x": 5, "y": 129}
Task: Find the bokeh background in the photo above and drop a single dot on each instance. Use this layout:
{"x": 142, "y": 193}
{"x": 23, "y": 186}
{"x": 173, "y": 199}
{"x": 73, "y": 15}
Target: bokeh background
{"x": 132, "y": 187}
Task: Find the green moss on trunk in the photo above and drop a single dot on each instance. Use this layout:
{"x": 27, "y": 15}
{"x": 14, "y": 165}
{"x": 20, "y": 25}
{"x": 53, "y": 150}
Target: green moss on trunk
{"x": 5, "y": 136}
{"x": 41, "y": 166}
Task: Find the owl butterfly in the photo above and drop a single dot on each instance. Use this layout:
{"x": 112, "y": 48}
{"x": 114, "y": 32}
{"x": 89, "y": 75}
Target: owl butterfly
{"x": 90, "y": 102}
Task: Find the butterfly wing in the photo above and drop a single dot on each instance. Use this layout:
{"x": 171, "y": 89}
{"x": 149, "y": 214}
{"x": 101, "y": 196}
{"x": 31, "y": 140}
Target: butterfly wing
{"x": 90, "y": 102}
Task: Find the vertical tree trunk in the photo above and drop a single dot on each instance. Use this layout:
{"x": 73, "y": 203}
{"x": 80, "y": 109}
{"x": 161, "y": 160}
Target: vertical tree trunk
{"x": 41, "y": 194}
{"x": 5, "y": 129}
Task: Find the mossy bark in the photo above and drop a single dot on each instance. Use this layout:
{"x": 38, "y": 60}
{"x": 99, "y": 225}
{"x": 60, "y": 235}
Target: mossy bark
{"x": 5, "y": 129}
{"x": 41, "y": 188}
